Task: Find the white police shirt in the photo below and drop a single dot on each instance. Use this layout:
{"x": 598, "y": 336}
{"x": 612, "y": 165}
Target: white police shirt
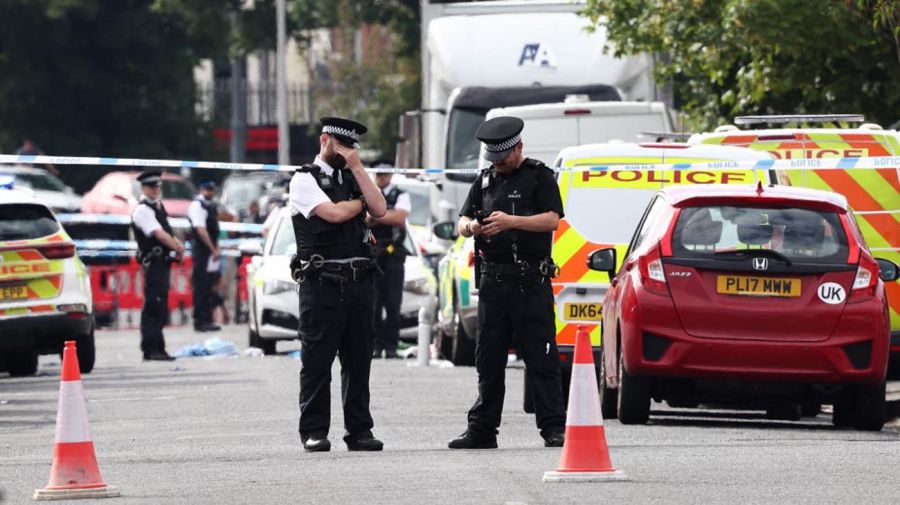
{"x": 403, "y": 201}
{"x": 196, "y": 214}
{"x": 305, "y": 193}
{"x": 144, "y": 217}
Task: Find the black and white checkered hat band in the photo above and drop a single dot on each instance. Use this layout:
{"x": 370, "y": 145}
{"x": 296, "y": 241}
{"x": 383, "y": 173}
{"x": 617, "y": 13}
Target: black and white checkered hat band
{"x": 337, "y": 130}
{"x": 503, "y": 146}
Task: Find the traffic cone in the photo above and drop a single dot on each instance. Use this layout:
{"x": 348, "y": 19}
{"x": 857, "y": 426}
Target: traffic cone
{"x": 74, "y": 473}
{"x": 585, "y": 456}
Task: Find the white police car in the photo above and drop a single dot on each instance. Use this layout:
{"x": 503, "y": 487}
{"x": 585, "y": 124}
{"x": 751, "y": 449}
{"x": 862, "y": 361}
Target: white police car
{"x": 45, "y": 292}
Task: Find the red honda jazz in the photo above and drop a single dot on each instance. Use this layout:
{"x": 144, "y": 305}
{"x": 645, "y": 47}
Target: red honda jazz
{"x": 758, "y": 296}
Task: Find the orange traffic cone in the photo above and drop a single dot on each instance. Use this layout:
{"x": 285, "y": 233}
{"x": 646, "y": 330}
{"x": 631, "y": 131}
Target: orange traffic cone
{"x": 74, "y": 473}
{"x": 585, "y": 456}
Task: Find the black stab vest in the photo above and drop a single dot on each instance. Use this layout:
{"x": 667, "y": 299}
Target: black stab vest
{"x": 212, "y": 227}
{"x": 145, "y": 243}
{"x": 386, "y": 235}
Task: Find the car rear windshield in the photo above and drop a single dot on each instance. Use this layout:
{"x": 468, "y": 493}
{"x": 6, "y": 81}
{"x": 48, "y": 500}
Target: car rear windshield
{"x": 802, "y": 235}
{"x": 26, "y": 222}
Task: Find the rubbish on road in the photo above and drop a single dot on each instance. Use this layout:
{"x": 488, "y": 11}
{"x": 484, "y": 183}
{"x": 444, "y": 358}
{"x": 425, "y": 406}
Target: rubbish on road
{"x": 253, "y": 352}
{"x": 213, "y": 346}
{"x": 585, "y": 455}
{"x": 75, "y": 473}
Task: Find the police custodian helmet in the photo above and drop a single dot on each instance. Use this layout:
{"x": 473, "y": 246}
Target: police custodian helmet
{"x": 346, "y": 131}
{"x": 500, "y": 135}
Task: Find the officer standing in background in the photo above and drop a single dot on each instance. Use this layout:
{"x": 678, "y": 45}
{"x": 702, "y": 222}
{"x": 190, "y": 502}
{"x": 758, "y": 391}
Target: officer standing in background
{"x": 157, "y": 250}
{"x": 390, "y": 235}
{"x": 336, "y": 271}
{"x": 512, "y": 209}
{"x": 203, "y": 214}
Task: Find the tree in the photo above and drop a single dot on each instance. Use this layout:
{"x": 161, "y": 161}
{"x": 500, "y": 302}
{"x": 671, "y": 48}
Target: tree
{"x": 732, "y": 57}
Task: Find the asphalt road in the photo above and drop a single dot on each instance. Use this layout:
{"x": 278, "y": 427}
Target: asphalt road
{"x": 223, "y": 431}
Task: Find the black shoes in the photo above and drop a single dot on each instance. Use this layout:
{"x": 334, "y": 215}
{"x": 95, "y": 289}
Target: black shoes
{"x": 316, "y": 444}
{"x": 376, "y": 354}
{"x": 207, "y": 327}
{"x": 158, "y": 356}
{"x": 391, "y": 355}
{"x": 364, "y": 443}
{"x": 554, "y": 439}
{"x": 472, "y": 439}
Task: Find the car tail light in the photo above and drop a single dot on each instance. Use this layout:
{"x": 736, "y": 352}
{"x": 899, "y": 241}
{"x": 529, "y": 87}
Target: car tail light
{"x": 576, "y": 112}
{"x": 653, "y": 277}
{"x": 58, "y": 251}
{"x": 866, "y": 278}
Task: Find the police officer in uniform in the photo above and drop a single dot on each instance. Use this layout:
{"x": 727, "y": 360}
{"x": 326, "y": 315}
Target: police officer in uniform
{"x": 157, "y": 250}
{"x": 204, "y": 218}
{"x": 390, "y": 235}
{"x": 512, "y": 209}
{"x": 336, "y": 272}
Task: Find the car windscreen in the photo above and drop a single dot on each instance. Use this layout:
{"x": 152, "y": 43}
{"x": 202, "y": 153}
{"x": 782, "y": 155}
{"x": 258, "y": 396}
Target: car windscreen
{"x": 26, "y": 222}
{"x": 462, "y": 146}
{"x": 40, "y": 182}
{"x": 177, "y": 190}
{"x": 283, "y": 241}
{"x": 801, "y": 235}
{"x": 421, "y": 208}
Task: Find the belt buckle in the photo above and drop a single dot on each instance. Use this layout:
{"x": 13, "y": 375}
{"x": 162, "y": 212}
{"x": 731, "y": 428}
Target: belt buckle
{"x": 355, "y": 271}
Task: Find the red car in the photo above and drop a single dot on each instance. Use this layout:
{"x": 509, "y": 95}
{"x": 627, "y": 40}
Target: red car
{"x": 119, "y": 193}
{"x": 765, "y": 297}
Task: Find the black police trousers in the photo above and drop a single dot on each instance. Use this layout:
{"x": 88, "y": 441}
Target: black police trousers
{"x": 201, "y": 283}
{"x": 155, "y": 312}
{"x": 335, "y": 320}
{"x": 388, "y": 297}
{"x": 517, "y": 311}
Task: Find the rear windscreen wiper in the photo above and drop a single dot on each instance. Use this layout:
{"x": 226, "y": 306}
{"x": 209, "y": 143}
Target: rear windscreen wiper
{"x": 757, "y": 252}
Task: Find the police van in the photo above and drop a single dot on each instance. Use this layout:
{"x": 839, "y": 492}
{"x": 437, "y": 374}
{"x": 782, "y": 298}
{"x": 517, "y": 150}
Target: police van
{"x": 872, "y": 192}
{"x": 603, "y": 208}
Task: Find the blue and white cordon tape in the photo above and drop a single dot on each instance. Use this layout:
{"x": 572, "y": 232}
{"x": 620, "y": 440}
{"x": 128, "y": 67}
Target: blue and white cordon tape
{"x": 772, "y": 164}
{"x": 176, "y": 222}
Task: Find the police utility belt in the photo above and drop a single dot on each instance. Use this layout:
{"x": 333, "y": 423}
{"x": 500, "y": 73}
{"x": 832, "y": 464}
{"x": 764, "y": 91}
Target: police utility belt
{"x": 339, "y": 271}
{"x": 543, "y": 268}
{"x": 156, "y": 254}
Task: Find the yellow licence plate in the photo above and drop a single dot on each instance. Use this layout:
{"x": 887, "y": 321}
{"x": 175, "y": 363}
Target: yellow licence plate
{"x": 583, "y": 311}
{"x": 758, "y": 286}
{"x": 13, "y": 293}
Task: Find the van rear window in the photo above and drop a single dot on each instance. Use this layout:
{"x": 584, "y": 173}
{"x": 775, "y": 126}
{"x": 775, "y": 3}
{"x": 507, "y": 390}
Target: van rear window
{"x": 26, "y": 221}
{"x": 802, "y": 235}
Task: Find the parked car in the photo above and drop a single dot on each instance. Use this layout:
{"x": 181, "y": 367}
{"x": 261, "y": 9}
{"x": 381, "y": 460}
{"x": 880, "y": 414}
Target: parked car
{"x": 46, "y": 187}
{"x": 272, "y": 292}
{"x": 749, "y": 295}
{"x": 242, "y": 188}
{"x": 120, "y": 192}
{"x": 45, "y": 293}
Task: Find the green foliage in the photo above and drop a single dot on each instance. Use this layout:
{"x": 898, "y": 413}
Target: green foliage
{"x": 733, "y": 57}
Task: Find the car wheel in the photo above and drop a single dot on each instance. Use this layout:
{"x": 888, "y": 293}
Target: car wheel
{"x": 810, "y": 409}
{"x": 528, "y": 396}
{"x": 608, "y": 397}
{"x": 871, "y": 407}
{"x": 784, "y": 412}
{"x": 22, "y": 364}
{"x": 463, "y": 347}
{"x": 444, "y": 344}
{"x": 86, "y": 351}
{"x": 267, "y": 345}
{"x": 634, "y": 396}
{"x": 843, "y": 414}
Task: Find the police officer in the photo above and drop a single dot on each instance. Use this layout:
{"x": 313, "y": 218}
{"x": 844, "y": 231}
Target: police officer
{"x": 157, "y": 250}
{"x": 390, "y": 235}
{"x": 336, "y": 271}
{"x": 204, "y": 218}
{"x": 512, "y": 209}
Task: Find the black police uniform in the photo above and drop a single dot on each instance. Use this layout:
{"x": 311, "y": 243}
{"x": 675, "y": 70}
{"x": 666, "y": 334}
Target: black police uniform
{"x": 156, "y": 260}
{"x": 515, "y": 304}
{"x": 391, "y": 256}
{"x": 336, "y": 312}
{"x": 201, "y": 278}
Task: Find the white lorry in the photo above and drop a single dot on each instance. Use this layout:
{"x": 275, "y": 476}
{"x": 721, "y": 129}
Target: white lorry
{"x": 477, "y": 56}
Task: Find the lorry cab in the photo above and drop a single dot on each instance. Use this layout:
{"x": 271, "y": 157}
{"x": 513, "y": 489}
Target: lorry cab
{"x": 602, "y": 209}
{"x": 872, "y": 192}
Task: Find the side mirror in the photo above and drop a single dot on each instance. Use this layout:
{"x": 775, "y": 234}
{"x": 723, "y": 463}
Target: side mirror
{"x": 603, "y": 260}
{"x": 889, "y": 271}
{"x": 445, "y": 230}
{"x": 250, "y": 248}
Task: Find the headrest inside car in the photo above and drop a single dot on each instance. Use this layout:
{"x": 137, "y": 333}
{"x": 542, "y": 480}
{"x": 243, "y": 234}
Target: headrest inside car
{"x": 804, "y": 235}
{"x": 701, "y": 230}
{"x": 754, "y": 234}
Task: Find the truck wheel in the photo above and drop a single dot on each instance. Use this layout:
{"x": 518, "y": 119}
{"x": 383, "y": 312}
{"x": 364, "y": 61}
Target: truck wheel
{"x": 871, "y": 407}
{"x": 22, "y": 364}
{"x": 784, "y": 412}
{"x": 528, "y": 396}
{"x": 84, "y": 348}
{"x": 463, "y": 347}
{"x": 609, "y": 398}
{"x": 634, "y": 397}
{"x": 267, "y": 345}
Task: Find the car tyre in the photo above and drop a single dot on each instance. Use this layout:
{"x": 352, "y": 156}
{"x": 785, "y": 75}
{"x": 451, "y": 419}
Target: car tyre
{"x": 843, "y": 414}
{"x": 634, "y": 396}
{"x": 268, "y": 345}
{"x": 810, "y": 409}
{"x": 87, "y": 353}
{"x": 609, "y": 397}
{"x": 871, "y": 407}
{"x": 252, "y": 338}
{"x": 22, "y": 364}
{"x": 784, "y": 412}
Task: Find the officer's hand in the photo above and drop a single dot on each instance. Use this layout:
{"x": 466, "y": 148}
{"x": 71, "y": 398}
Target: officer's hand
{"x": 179, "y": 247}
{"x": 350, "y": 155}
{"x": 476, "y": 228}
{"x": 498, "y": 222}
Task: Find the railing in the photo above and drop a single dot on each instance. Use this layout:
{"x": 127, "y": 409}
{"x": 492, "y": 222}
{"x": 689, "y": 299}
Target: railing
{"x": 214, "y": 103}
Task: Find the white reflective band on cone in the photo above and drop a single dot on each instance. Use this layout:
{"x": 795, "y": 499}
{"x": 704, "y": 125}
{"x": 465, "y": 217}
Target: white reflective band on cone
{"x": 71, "y": 417}
{"x": 584, "y": 398}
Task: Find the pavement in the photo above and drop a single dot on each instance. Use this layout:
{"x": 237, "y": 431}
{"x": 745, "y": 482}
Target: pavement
{"x": 223, "y": 430}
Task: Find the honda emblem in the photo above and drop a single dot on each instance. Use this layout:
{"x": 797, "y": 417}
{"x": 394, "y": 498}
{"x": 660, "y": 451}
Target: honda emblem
{"x": 760, "y": 264}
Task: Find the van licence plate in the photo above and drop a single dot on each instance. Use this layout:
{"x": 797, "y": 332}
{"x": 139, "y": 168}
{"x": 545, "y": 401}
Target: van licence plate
{"x": 758, "y": 286}
{"x": 583, "y": 311}
{"x": 13, "y": 293}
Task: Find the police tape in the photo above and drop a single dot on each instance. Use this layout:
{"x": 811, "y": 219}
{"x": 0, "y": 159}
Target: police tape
{"x": 123, "y": 253}
{"x": 177, "y": 222}
{"x": 880, "y": 162}
{"x": 127, "y": 245}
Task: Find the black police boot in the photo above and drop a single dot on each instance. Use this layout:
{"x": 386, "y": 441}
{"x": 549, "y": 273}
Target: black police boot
{"x": 376, "y": 354}
{"x": 363, "y": 442}
{"x": 158, "y": 356}
{"x": 474, "y": 439}
{"x": 554, "y": 438}
{"x": 316, "y": 443}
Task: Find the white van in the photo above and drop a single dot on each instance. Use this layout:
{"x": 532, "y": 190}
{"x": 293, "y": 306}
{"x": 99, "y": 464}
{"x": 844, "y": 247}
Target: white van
{"x": 550, "y": 127}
